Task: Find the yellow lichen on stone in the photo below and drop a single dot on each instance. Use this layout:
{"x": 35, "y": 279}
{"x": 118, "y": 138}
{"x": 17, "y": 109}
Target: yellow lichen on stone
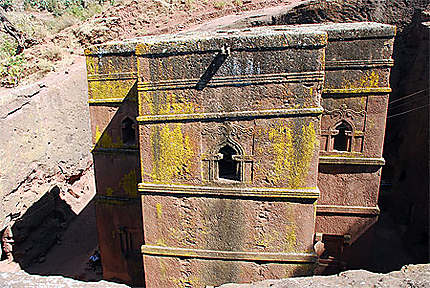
{"x": 186, "y": 282}
{"x": 368, "y": 80}
{"x": 159, "y": 208}
{"x": 305, "y": 152}
{"x": 172, "y": 155}
{"x": 292, "y": 155}
{"x": 282, "y": 146}
{"x": 268, "y": 240}
{"x": 129, "y": 183}
{"x": 108, "y": 89}
{"x": 290, "y": 238}
{"x": 165, "y": 103}
{"x": 98, "y": 134}
{"x": 143, "y": 48}
{"x": 160, "y": 242}
{"x": 290, "y": 235}
{"x": 104, "y": 140}
{"x": 91, "y": 64}
{"x": 109, "y": 191}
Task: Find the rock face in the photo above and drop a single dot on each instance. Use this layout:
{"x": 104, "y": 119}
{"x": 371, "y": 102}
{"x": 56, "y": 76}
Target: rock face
{"x": 412, "y": 276}
{"x": 24, "y": 280}
{"x": 45, "y": 144}
{"x": 393, "y": 12}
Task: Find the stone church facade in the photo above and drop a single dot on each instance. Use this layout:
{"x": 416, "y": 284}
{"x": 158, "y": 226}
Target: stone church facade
{"x": 224, "y": 157}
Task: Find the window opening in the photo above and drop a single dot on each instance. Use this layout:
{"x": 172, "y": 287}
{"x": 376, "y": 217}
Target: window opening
{"x": 227, "y": 167}
{"x": 125, "y": 241}
{"x": 128, "y": 132}
{"x": 341, "y": 140}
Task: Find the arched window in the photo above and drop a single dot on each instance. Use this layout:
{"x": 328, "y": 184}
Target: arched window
{"x": 342, "y": 139}
{"x": 128, "y": 132}
{"x": 228, "y": 168}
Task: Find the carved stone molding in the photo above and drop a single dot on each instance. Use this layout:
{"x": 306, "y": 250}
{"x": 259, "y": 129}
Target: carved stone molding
{"x": 228, "y": 130}
{"x": 343, "y": 112}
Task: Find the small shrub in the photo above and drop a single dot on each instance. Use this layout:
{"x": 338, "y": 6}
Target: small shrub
{"x": 79, "y": 8}
{"x": 11, "y": 70}
{"x": 220, "y": 4}
{"x": 6, "y": 4}
{"x": 189, "y": 3}
{"x": 62, "y": 22}
{"x": 51, "y": 53}
{"x": 7, "y": 47}
{"x": 44, "y": 66}
{"x": 84, "y": 13}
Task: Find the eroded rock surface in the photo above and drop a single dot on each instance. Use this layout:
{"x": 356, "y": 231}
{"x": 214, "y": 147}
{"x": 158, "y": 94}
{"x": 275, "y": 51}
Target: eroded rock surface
{"x": 24, "y": 280}
{"x": 411, "y": 276}
{"x": 46, "y": 174}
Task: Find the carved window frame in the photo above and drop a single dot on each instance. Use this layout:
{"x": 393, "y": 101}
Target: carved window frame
{"x": 225, "y": 135}
{"x": 334, "y": 131}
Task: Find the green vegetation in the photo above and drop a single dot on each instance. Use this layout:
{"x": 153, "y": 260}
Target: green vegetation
{"x": 42, "y": 19}
{"x": 11, "y": 65}
{"x": 189, "y": 3}
{"x": 6, "y": 4}
{"x": 220, "y": 4}
{"x": 60, "y": 7}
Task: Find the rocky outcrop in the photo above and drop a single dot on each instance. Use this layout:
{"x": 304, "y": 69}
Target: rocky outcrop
{"x": 399, "y": 13}
{"x": 24, "y": 280}
{"x": 411, "y": 276}
{"x": 45, "y": 142}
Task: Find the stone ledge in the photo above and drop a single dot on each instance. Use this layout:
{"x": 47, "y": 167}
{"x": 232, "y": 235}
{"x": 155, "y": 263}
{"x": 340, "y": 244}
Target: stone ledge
{"x": 229, "y": 255}
{"x": 147, "y": 119}
{"x": 350, "y": 210}
{"x": 351, "y": 160}
{"x": 150, "y": 188}
{"x": 376, "y": 90}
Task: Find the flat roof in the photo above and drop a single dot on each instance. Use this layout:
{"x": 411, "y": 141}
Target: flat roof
{"x": 285, "y": 36}
{"x": 280, "y": 36}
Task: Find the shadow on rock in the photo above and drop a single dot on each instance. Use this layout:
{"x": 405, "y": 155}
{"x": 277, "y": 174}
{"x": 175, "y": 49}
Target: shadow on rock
{"x": 50, "y": 239}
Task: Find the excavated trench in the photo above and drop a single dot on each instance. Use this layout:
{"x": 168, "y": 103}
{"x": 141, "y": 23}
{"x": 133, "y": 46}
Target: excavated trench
{"x": 50, "y": 206}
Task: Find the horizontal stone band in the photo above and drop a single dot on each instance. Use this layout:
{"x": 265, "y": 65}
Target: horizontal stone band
{"x": 235, "y": 80}
{"x": 228, "y": 255}
{"x": 115, "y": 200}
{"x": 150, "y": 188}
{"x": 351, "y": 160}
{"x": 114, "y": 150}
{"x": 376, "y": 90}
{"x": 230, "y": 115}
{"x": 345, "y": 64}
{"x": 113, "y": 76}
{"x": 340, "y": 209}
{"x": 104, "y": 101}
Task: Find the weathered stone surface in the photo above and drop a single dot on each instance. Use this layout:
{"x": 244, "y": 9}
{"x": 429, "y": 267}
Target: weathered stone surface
{"x": 413, "y": 276}
{"x": 393, "y": 12}
{"x": 43, "y": 136}
{"x": 45, "y": 144}
{"x": 24, "y": 280}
